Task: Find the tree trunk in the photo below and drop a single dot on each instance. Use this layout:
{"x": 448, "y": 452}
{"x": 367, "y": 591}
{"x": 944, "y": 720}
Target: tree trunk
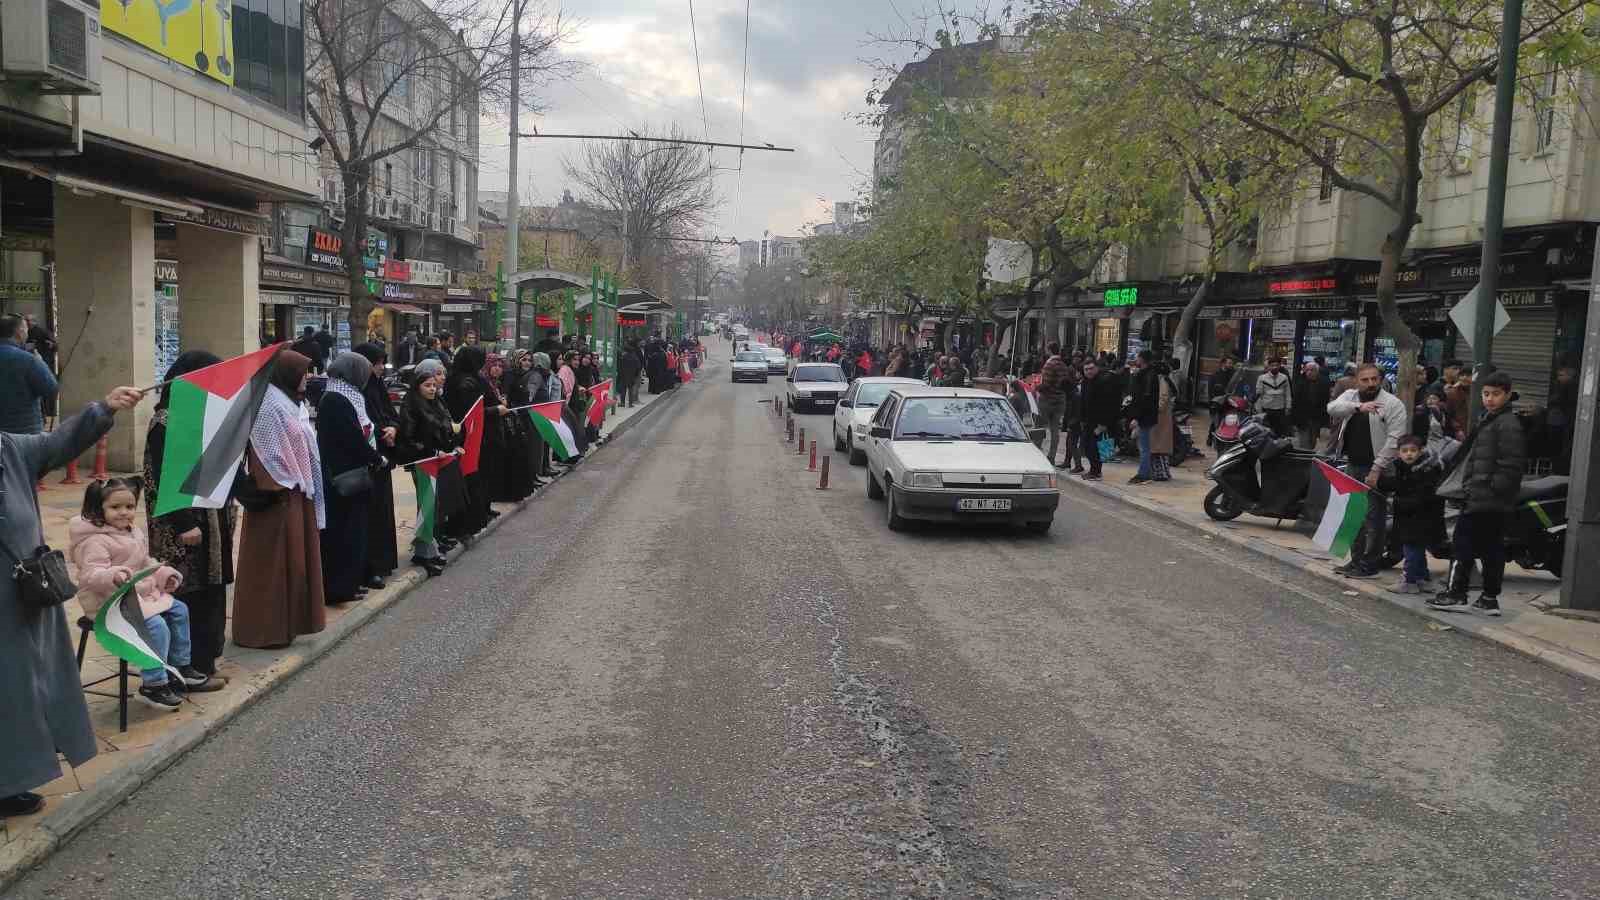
{"x": 1405, "y": 340}
{"x": 353, "y": 238}
{"x": 1182, "y": 346}
{"x": 1052, "y": 289}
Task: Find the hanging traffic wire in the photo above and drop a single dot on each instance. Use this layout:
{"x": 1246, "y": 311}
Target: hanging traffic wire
{"x": 655, "y": 140}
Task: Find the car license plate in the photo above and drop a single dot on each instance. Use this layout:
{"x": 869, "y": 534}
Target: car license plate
{"x": 985, "y": 505}
{"x": 825, "y": 402}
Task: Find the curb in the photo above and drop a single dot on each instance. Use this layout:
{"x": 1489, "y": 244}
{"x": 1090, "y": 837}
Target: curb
{"x": 55, "y": 828}
{"x": 1571, "y": 662}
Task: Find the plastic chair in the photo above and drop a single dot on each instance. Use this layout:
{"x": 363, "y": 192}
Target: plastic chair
{"x": 86, "y": 626}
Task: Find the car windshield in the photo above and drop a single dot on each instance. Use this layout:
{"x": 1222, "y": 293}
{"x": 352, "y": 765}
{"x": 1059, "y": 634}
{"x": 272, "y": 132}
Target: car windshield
{"x": 819, "y": 373}
{"x": 959, "y": 418}
{"x": 872, "y": 394}
{"x": 750, "y": 356}
{"x": 774, "y": 353}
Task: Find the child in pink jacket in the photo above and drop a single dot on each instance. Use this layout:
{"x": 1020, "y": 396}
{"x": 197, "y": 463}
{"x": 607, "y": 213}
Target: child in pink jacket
{"x": 108, "y": 550}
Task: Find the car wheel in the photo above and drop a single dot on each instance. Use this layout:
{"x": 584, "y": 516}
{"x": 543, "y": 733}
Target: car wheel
{"x": 1041, "y": 527}
{"x": 874, "y": 490}
{"x": 837, "y": 444}
{"x": 857, "y": 457}
{"x": 1218, "y": 505}
{"x": 896, "y": 523}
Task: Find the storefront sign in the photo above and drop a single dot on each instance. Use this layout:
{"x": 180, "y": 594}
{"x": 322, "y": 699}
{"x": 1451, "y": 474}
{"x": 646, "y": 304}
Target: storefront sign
{"x": 1283, "y": 329}
{"x": 33, "y": 243}
{"x": 456, "y": 308}
{"x": 1525, "y": 299}
{"x": 21, "y": 290}
{"x": 458, "y": 292}
{"x": 195, "y": 36}
{"x": 1102, "y": 313}
{"x": 167, "y": 271}
{"x": 397, "y": 270}
{"x": 624, "y": 321}
{"x": 274, "y": 298}
{"x": 329, "y": 282}
{"x": 1122, "y": 296}
{"x": 398, "y": 292}
{"x": 225, "y": 220}
{"x": 1252, "y": 312}
{"x": 1303, "y": 286}
{"x": 551, "y": 321}
{"x": 1466, "y": 272}
{"x": 1404, "y": 278}
{"x": 428, "y": 272}
{"x": 1316, "y": 304}
{"x": 283, "y": 275}
{"x": 324, "y": 249}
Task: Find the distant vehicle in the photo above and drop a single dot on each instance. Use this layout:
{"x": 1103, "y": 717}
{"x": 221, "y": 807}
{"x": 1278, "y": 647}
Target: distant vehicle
{"x": 816, "y": 384}
{"x": 777, "y": 360}
{"x": 854, "y": 413}
{"x": 749, "y": 365}
{"x": 957, "y": 455}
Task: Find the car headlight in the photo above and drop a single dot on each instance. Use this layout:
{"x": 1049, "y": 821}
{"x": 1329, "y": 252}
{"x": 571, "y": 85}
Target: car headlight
{"x": 1038, "y": 482}
{"x": 925, "y": 479}
{"x": 861, "y": 428}
{"x": 802, "y": 392}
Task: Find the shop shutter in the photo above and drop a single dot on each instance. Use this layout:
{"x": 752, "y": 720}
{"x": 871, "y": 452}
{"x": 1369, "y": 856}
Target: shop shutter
{"x": 1526, "y": 351}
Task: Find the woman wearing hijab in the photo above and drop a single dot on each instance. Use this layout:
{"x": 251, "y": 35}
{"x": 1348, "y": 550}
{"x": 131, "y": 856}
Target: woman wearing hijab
{"x": 197, "y": 542}
{"x": 426, "y": 431}
{"x": 573, "y": 414}
{"x": 586, "y": 372}
{"x": 520, "y": 480}
{"x": 278, "y": 595}
{"x": 540, "y": 389}
{"x": 495, "y": 459}
{"x": 347, "y": 441}
{"x": 569, "y": 378}
{"x": 383, "y": 556}
{"x": 462, "y": 389}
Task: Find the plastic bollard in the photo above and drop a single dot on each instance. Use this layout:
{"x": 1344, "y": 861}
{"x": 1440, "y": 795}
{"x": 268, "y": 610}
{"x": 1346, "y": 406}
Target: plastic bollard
{"x": 100, "y": 473}
{"x": 812, "y": 466}
{"x": 72, "y": 472}
{"x": 801, "y": 447}
{"x": 822, "y": 484}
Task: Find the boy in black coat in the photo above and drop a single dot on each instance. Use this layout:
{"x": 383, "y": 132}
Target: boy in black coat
{"x": 1418, "y": 511}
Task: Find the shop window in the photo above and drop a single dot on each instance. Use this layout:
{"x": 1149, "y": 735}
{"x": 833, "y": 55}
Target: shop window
{"x": 1544, "y": 112}
{"x": 269, "y": 53}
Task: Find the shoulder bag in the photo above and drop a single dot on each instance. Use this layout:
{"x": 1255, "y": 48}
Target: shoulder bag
{"x": 41, "y": 577}
{"x": 353, "y": 481}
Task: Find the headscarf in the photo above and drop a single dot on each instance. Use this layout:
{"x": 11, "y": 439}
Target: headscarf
{"x": 287, "y": 370}
{"x": 188, "y": 361}
{"x": 347, "y": 376}
{"x": 468, "y": 361}
{"x": 541, "y": 360}
{"x": 428, "y": 368}
{"x": 491, "y": 384}
{"x": 282, "y": 436}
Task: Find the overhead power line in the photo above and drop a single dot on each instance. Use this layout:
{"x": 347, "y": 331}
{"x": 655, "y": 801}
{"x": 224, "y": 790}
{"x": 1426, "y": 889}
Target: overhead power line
{"x": 656, "y": 140}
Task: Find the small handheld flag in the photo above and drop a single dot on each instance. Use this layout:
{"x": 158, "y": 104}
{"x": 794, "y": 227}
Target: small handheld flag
{"x": 209, "y": 416}
{"x": 598, "y": 396}
{"x": 1344, "y": 514}
{"x": 440, "y": 493}
{"x": 120, "y": 628}
{"x": 472, "y": 438}
{"x": 546, "y": 417}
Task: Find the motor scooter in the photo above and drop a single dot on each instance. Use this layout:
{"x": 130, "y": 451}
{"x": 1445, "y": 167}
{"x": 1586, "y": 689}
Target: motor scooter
{"x": 1228, "y": 415}
{"x": 1261, "y": 474}
{"x": 1536, "y": 529}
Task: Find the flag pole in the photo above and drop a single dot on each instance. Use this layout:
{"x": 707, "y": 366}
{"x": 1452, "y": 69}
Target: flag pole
{"x": 428, "y": 460}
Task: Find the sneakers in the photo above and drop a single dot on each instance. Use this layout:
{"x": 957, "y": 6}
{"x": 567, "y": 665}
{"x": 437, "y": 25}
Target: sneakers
{"x": 159, "y": 697}
{"x": 1138, "y": 479}
{"x": 1406, "y": 587}
{"x": 1487, "y": 605}
{"x": 1090, "y": 476}
{"x": 1447, "y": 602}
{"x": 198, "y": 682}
{"x": 1077, "y": 469}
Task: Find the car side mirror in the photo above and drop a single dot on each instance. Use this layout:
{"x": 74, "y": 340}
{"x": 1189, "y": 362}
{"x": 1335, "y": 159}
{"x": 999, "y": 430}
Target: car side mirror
{"x": 879, "y": 431}
{"x": 845, "y": 404}
{"x": 790, "y": 378}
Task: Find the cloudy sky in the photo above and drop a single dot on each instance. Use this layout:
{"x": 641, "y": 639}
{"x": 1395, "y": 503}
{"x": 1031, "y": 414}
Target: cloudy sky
{"x": 809, "y": 71}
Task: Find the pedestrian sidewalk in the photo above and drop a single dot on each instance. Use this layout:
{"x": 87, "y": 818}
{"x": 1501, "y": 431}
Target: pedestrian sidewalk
{"x": 1531, "y": 624}
{"x": 155, "y": 739}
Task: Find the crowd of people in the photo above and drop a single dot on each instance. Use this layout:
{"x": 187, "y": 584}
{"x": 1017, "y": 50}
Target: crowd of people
{"x": 310, "y": 517}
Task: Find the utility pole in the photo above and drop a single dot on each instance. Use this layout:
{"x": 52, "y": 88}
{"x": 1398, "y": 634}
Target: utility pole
{"x": 513, "y": 212}
{"x": 1580, "y": 566}
{"x": 1505, "y": 94}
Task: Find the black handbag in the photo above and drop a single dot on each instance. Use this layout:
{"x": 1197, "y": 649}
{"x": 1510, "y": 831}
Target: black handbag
{"x": 352, "y": 482}
{"x": 42, "y": 578}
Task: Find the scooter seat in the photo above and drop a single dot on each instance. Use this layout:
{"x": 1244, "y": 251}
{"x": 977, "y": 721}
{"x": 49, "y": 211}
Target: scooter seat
{"x": 1543, "y": 488}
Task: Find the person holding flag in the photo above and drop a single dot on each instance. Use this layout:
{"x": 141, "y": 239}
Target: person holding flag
{"x": 41, "y": 697}
{"x": 468, "y": 400}
{"x": 427, "y": 442}
{"x": 347, "y": 444}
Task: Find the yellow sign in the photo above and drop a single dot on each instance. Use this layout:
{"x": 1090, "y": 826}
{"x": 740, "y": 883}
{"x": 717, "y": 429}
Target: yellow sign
{"x": 194, "y": 33}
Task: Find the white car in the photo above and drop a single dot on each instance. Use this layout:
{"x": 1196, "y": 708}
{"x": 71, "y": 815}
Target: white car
{"x": 816, "y": 384}
{"x": 957, "y": 455}
{"x": 749, "y": 365}
{"x": 777, "y": 360}
{"x": 854, "y": 413}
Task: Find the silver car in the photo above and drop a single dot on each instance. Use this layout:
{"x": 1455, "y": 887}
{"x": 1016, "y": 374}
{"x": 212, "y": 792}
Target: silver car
{"x": 816, "y": 385}
{"x": 853, "y": 415}
{"x": 777, "y": 360}
{"x": 749, "y": 365}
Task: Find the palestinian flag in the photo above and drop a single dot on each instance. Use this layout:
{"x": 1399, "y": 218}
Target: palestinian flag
{"x": 599, "y": 395}
{"x": 472, "y": 438}
{"x": 547, "y": 418}
{"x": 1344, "y": 514}
{"x": 441, "y": 493}
{"x": 120, "y": 628}
{"x": 209, "y": 418}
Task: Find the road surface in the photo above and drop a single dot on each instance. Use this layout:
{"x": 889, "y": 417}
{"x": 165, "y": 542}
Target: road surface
{"x": 686, "y": 672}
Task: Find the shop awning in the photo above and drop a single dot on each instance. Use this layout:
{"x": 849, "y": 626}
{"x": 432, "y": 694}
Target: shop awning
{"x": 825, "y": 337}
{"x": 406, "y": 308}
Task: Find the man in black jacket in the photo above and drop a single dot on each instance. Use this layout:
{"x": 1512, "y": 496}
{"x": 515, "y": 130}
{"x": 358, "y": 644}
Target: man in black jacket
{"x": 1491, "y": 463}
{"x": 1144, "y": 391}
{"x": 1102, "y": 403}
{"x": 629, "y": 365}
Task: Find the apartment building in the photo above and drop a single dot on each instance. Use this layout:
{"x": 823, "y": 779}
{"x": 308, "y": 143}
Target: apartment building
{"x": 142, "y": 151}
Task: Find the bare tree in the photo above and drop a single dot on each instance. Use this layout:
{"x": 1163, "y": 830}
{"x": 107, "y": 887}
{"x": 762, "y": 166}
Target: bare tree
{"x": 656, "y": 192}
{"x": 386, "y": 77}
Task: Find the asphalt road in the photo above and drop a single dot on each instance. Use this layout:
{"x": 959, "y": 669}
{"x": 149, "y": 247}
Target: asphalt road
{"x": 689, "y": 673}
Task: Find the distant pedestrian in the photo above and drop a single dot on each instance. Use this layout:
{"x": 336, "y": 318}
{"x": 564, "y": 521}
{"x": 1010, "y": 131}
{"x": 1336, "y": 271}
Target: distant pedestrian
{"x": 1418, "y": 511}
{"x": 1052, "y": 395}
{"x": 29, "y": 382}
{"x": 1308, "y": 406}
{"x": 1144, "y": 394}
{"x": 1273, "y": 396}
{"x": 1368, "y": 424}
{"x": 1102, "y": 404}
{"x": 1491, "y": 462}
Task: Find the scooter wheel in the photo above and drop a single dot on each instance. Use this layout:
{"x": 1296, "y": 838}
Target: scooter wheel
{"x": 1220, "y": 506}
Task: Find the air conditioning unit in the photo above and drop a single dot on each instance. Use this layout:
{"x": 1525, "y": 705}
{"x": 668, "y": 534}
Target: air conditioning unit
{"x": 449, "y": 226}
{"x": 404, "y": 212}
{"x": 53, "y": 42}
{"x": 432, "y": 221}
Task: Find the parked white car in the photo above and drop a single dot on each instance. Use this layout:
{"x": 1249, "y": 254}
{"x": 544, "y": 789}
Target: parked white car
{"x": 816, "y": 384}
{"x": 957, "y": 455}
{"x": 749, "y": 365}
{"x": 777, "y": 360}
{"x": 854, "y": 413}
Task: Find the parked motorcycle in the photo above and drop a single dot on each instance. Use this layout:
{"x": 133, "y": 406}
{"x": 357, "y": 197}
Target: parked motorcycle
{"x": 1262, "y": 474}
{"x": 1536, "y": 529}
{"x": 1228, "y": 415}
